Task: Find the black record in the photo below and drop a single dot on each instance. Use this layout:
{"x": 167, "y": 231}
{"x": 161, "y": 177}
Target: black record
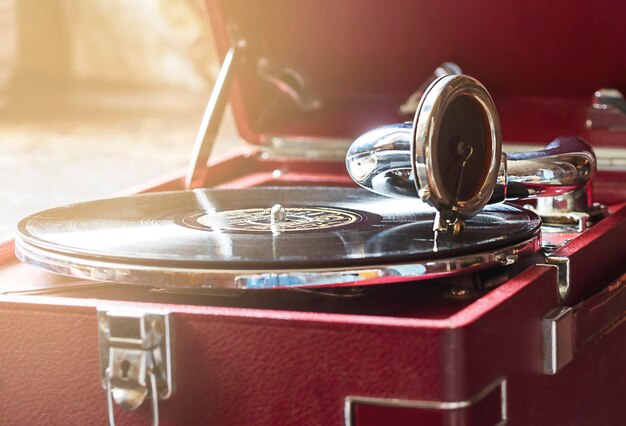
{"x": 233, "y": 230}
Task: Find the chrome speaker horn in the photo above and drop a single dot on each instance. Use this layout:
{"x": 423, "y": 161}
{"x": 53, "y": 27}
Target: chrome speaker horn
{"x": 451, "y": 156}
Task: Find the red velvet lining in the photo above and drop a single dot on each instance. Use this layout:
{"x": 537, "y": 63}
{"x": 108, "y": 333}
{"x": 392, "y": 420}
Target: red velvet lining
{"x": 542, "y": 62}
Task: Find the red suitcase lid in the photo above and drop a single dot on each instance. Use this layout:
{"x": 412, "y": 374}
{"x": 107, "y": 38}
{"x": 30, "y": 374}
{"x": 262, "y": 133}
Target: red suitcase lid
{"x": 541, "y": 61}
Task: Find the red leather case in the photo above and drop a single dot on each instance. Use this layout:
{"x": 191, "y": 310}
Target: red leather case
{"x": 407, "y": 354}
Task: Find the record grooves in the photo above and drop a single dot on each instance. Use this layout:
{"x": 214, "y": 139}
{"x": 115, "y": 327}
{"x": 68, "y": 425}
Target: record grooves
{"x": 229, "y": 231}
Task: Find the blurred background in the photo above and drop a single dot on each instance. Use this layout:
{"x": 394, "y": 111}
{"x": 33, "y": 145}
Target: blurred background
{"x": 99, "y": 96}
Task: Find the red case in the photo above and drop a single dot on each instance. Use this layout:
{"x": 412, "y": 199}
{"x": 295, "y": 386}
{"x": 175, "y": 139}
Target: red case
{"x": 407, "y": 354}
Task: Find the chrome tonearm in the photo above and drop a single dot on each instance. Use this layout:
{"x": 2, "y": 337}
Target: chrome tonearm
{"x": 451, "y": 157}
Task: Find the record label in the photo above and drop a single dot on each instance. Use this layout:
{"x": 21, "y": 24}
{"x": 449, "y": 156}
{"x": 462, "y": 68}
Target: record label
{"x": 258, "y": 220}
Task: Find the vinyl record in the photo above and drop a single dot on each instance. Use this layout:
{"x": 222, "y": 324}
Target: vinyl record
{"x": 196, "y": 237}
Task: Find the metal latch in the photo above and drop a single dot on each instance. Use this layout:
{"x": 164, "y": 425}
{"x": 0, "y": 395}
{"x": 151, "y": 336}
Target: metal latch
{"x": 569, "y": 330}
{"x": 135, "y": 358}
{"x": 558, "y": 340}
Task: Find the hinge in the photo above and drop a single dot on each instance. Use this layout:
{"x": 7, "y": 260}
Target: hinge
{"x": 135, "y": 358}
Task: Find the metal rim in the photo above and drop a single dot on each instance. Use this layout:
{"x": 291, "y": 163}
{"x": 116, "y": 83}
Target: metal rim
{"x": 266, "y": 279}
{"x": 430, "y": 112}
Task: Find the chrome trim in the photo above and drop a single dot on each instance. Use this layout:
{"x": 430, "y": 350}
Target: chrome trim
{"x": 159, "y": 276}
{"x": 351, "y": 401}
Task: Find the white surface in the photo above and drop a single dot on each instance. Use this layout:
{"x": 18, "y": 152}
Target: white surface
{"x": 67, "y": 148}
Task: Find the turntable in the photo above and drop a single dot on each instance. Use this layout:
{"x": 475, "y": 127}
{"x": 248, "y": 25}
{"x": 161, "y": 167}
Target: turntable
{"x": 423, "y": 273}
{"x": 448, "y": 165}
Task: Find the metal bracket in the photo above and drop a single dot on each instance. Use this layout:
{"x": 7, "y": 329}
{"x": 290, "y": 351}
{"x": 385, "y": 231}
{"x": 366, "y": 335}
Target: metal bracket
{"x": 563, "y": 276}
{"x": 572, "y": 211}
{"x": 557, "y": 326}
{"x": 558, "y": 339}
{"x": 135, "y": 358}
{"x": 607, "y": 110}
{"x": 213, "y": 114}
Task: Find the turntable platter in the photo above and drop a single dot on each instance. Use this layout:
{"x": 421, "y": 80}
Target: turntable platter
{"x": 265, "y": 237}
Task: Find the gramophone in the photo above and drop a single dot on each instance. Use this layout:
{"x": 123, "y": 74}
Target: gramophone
{"x": 462, "y": 286}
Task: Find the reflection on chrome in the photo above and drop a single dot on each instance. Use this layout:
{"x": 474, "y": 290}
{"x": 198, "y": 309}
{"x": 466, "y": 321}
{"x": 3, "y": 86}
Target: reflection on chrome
{"x": 240, "y": 279}
{"x": 380, "y": 161}
{"x": 404, "y": 272}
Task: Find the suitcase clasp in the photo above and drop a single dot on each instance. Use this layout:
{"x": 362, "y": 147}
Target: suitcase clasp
{"x": 135, "y": 358}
